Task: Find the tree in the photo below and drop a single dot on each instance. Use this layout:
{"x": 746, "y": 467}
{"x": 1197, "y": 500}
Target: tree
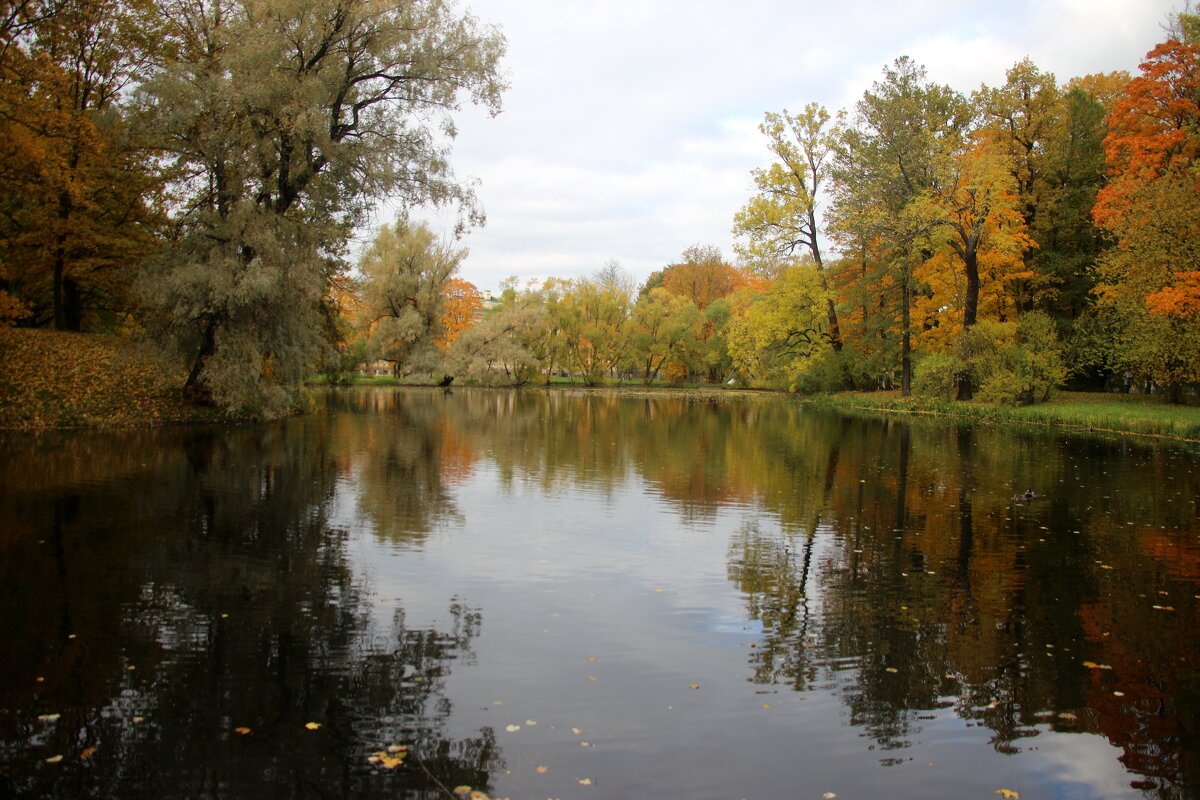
{"x": 591, "y": 317}
{"x": 782, "y": 218}
{"x": 1151, "y": 206}
{"x": 75, "y": 217}
{"x": 405, "y": 275}
{"x": 901, "y": 146}
{"x": 784, "y": 329}
{"x": 462, "y": 305}
{"x": 664, "y": 327}
{"x": 282, "y": 123}
{"x": 701, "y": 277}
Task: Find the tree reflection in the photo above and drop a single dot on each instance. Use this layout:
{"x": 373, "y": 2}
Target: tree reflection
{"x": 205, "y": 590}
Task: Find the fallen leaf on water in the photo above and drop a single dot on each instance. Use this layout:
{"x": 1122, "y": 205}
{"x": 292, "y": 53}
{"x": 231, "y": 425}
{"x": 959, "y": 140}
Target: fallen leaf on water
{"x": 387, "y": 762}
{"x": 1008, "y": 793}
{"x": 54, "y": 759}
{"x": 397, "y": 748}
{"x": 312, "y": 726}
{"x": 891, "y": 669}
{"x": 829, "y": 795}
{"x": 242, "y": 730}
{"x": 138, "y": 720}
{"x": 592, "y": 678}
{"x": 693, "y": 686}
{"x": 1068, "y": 716}
{"x": 591, "y": 658}
{"x": 576, "y": 731}
{"x": 512, "y": 728}
{"x": 48, "y": 718}
{"x": 478, "y": 795}
{"x": 462, "y": 789}
{"x": 87, "y": 753}
{"x": 1165, "y": 608}
{"x": 1118, "y": 694}
{"x": 585, "y": 781}
{"x": 766, "y": 705}
{"x": 1094, "y": 665}
{"x": 543, "y": 770}
{"x": 531, "y": 722}
{"x": 585, "y": 744}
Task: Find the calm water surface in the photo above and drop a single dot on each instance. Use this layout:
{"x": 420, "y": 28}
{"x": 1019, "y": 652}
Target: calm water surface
{"x": 575, "y": 595}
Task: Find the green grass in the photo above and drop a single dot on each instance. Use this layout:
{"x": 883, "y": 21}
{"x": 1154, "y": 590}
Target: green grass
{"x": 1130, "y": 414}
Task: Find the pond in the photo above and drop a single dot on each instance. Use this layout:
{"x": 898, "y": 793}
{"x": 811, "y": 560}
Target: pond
{"x": 570, "y": 594}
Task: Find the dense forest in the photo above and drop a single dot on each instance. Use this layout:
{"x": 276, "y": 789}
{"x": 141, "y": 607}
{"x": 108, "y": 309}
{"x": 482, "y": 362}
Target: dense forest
{"x": 192, "y": 171}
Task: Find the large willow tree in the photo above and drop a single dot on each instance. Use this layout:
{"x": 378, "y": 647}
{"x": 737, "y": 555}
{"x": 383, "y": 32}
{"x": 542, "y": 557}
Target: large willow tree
{"x": 283, "y": 121}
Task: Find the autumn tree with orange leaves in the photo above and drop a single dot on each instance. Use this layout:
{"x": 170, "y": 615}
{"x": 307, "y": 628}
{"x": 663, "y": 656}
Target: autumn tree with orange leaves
{"x": 462, "y": 304}
{"x": 1151, "y": 206}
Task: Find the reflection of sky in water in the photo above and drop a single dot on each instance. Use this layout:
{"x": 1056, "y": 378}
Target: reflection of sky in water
{"x": 602, "y": 608}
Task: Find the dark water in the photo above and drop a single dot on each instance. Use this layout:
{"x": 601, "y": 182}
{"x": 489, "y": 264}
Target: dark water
{"x": 662, "y": 598}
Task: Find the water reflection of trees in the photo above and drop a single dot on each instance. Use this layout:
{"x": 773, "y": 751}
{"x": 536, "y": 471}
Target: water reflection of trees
{"x": 200, "y": 585}
{"x": 937, "y": 589}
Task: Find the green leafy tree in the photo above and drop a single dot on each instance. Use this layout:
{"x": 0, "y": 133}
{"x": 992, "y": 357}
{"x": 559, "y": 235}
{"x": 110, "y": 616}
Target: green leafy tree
{"x": 282, "y": 124}
{"x": 664, "y": 329}
{"x": 404, "y": 276}
{"x": 784, "y": 330}
{"x": 901, "y": 145}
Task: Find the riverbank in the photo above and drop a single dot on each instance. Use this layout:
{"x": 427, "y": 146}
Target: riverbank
{"x": 57, "y": 380}
{"x": 54, "y": 380}
{"x": 1091, "y": 411}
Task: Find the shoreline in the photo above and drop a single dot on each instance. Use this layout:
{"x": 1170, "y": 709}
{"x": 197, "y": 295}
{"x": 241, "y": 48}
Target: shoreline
{"x": 56, "y": 381}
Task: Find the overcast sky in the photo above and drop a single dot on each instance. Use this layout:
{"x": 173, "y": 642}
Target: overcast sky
{"x": 631, "y": 126}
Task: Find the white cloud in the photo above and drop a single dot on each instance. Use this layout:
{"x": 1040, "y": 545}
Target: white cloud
{"x": 631, "y": 127}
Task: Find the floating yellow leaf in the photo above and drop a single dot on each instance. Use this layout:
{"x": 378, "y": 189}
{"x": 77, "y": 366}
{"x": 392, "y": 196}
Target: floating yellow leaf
{"x": 891, "y": 669}
{"x": 138, "y": 720}
{"x": 48, "y": 718}
{"x": 512, "y": 728}
{"x": 1009, "y": 793}
{"x": 87, "y": 753}
{"x": 396, "y": 748}
{"x": 585, "y": 744}
{"x": 131, "y": 668}
{"x": 462, "y": 789}
{"x": 1094, "y": 665}
{"x": 766, "y": 705}
{"x": 585, "y": 781}
{"x": 531, "y": 722}
{"x": 829, "y": 795}
{"x": 478, "y": 795}
{"x": 591, "y": 658}
{"x": 243, "y": 730}
{"x": 576, "y": 731}
{"x": 312, "y": 726}
{"x": 592, "y": 678}
{"x": 54, "y": 759}
{"x": 1165, "y": 608}
{"x": 542, "y": 770}
{"x": 693, "y": 686}
{"x": 384, "y": 760}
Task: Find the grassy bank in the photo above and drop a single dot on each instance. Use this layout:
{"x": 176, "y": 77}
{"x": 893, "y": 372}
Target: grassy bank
{"x": 1116, "y": 413}
{"x": 50, "y": 379}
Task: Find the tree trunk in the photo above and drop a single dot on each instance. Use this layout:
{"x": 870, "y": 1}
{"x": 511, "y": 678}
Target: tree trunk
{"x": 195, "y": 389}
{"x": 906, "y": 337}
{"x": 970, "y": 259}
